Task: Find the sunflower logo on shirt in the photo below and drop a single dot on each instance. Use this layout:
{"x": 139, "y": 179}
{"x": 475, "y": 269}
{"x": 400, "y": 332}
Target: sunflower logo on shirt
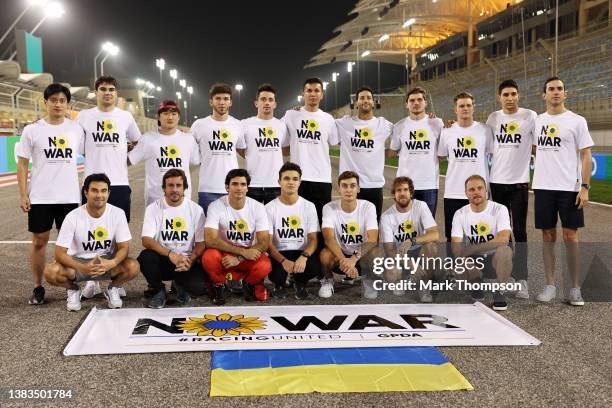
{"x": 512, "y": 128}
{"x": 241, "y": 226}
{"x": 407, "y": 226}
{"x": 100, "y": 234}
{"x": 109, "y": 126}
{"x": 178, "y": 224}
{"x": 238, "y": 230}
{"x": 482, "y": 228}
{"x": 269, "y": 132}
{"x": 468, "y": 142}
{"x": 352, "y": 228}
{"x": 294, "y": 222}
{"x": 312, "y": 125}
{"x": 365, "y": 133}
{"x": 225, "y": 135}
{"x": 173, "y": 151}
{"x": 62, "y": 142}
{"x": 553, "y": 130}
{"x": 421, "y": 134}
{"x": 97, "y": 240}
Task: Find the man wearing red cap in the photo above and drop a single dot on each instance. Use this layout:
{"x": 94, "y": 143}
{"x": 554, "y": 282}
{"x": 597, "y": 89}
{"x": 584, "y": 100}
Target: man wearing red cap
{"x": 165, "y": 149}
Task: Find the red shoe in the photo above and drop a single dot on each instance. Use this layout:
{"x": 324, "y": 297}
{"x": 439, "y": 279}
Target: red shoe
{"x": 261, "y": 293}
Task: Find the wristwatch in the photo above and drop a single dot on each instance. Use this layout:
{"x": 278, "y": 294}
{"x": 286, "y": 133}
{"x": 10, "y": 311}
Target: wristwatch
{"x": 305, "y": 254}
{"x": 585, "y": 185}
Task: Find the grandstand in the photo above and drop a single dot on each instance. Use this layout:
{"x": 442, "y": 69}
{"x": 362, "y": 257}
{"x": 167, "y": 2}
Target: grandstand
{"x": 486, "y": 48}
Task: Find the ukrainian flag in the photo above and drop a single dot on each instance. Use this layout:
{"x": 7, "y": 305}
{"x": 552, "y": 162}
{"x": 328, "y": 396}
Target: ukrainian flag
{"x": 377, "y": 369}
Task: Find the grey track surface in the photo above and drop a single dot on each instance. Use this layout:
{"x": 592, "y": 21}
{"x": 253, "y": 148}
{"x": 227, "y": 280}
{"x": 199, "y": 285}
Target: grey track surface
{"x": 572, "y": 367}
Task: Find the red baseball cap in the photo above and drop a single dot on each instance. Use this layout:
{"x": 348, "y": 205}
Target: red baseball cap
{"x": 166, "y": 105}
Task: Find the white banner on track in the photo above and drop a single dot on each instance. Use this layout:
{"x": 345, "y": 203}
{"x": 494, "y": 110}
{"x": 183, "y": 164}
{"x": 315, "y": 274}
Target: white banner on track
{"x": 293, "y": 327}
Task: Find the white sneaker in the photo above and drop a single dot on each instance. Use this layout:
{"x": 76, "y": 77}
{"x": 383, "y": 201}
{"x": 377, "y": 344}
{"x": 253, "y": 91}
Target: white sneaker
{"x": 327, "y": 288}
{"x": 73, "y": 300}
{"x": 522, "y": 293}
{"x": 114, "y": 300}
{"x": 91, "y": 289}
{"x": 575, "y": 297}
{"x": 399, "y": 292}
{"x": 548, "y": 294}
{"x": 368, "y": 290}
{"x": 122, "y": 292}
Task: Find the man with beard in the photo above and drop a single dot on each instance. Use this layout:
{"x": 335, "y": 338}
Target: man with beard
{"x": 362, "y": 147}
{"x": 173, "y": 237}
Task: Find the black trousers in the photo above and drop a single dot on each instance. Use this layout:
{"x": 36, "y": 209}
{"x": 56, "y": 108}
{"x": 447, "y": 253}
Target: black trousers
{"x": 451, "y": 205}
{"x": 157, "y": 268}
{"x": 317, "y": 193}
{"x": 278, "y": 275}
{"x": 375, "y": 196}
{"x": 263, "y": 194}
{"x": 516, "y": 198}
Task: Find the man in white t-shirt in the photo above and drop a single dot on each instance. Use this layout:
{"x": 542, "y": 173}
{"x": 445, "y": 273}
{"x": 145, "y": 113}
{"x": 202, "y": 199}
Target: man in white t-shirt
{"x": 173, "y": 237}
{"x": 416, "y": 139}
{"x": 482, "y": 229}
{"x": 218, "y": 136}
{"x": 108, "y": 132}
{"x": 362, "y": 147}
{"x": 465, "y": 145}
{"x": 311, "y": 132}
{"x": 408, "y": 227}
{"x": 350, "y": 232}
{"x": 93, "y": 244}
{"x": 294, "y": 228}
{"x": 512, "y": 129}
{"x": 561, "y": 183}
{"x": 165, "y": 149}
{"x": 52, "y": 145}
{"x": 264, "y": 138}
{"x": 237, "y": 235}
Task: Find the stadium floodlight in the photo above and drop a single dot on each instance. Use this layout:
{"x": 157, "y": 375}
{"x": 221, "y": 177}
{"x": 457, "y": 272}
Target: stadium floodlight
{"x": 52, "y": 10}
{"x": 173, "y": 74}
{"x": 140, "y": 81}
{"x": 365, "y": 53}
{"x": 299, "y": 98}
{"x": 238, "y": 87}
{"x": 161, "y": 64}
{"x": 179, "y": 96}
{"x": 190, "y": 90}
{"x": 325, "y": 83}
{"x": 158, "y": 89}
{"x": 409, "y": 22}
{"x": 149, "y": 85}
{"x": 31, "y": 3}
{"x": 110, "y": 49}
{"x": 335, "y": 76}
{"x": 183, "y": 83}
{"x": 383, "y": 38}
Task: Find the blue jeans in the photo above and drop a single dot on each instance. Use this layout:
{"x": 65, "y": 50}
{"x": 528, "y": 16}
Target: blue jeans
{"x": 204, "y": 199}
{"x": 430, "y": 197}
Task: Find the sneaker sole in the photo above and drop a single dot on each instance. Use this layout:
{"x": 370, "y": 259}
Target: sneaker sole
{"x": 73, "y": 309}
{"x": 576, "y": 303}
{"x": 42, "y": 302}
{"x": 500, "y": 308}
{"x": 521, "y": 295}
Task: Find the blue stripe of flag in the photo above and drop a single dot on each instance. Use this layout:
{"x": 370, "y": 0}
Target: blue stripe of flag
{"x": 245, "y": 359}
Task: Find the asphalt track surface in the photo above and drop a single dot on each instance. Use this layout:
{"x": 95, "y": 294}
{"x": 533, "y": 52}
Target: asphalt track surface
{"x": 572, "y": 366}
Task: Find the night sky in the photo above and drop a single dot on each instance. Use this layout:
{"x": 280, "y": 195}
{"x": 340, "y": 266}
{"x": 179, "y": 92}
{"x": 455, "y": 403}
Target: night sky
{"x": 247, "y": 42}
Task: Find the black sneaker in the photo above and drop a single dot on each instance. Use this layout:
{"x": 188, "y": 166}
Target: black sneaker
{"x": 158, "y": 300}
{"x": 219, "y": 292}
{"x": 499, "y": 301}
{"x": 249, "y": 291}
{"x": 236, "y": 287}
{"x": 478, "y": 295}
{"x": 182, "y": 296}
{"x": 149, "y": 292}
{"x": 279, "y": 292}
{"x": 301, "y": 293}
{"x": 38, "y": 296}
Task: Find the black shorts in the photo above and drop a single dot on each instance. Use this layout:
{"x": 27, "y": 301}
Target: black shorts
{"x": 549, "y": 203}
{"x": 339, "y": 272}
{"x": 42, "y": 216}
{"x": 120, "y": 196}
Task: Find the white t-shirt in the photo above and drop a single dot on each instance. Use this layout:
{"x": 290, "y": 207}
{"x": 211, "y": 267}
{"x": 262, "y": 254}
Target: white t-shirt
{"x": 106, "y": 138}
{"x": 417, "y": 142}
{"x": 291, "y": 224}
{"x": 397, "y": 227}
{"x": 362, "y": 148}
{"x": 218, "y": 141}
{"x": 466, "y": 149}
{"x": 162, "y": 153}
{"x": 176, "y": 228}
{"x": 310, "y": 136}
{"x": 53, "y": 150}
{"x": 350, "y": 229}
{"x": 512, "y": 140}
{"x": 264, "y": 141}
{"x": 237, "y": 227}
{"x": 479, "y": 227}
{"x": 559, "y": 139}
{"x": 86, "y": 236}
